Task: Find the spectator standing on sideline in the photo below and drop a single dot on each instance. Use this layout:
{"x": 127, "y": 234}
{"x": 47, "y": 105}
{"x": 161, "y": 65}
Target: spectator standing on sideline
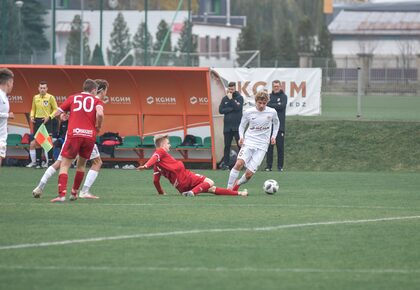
{"x": 260, "y": 120}
{"x": 231, "y": 106}
{"x": 6, "y": 86}
{"x": 86, "y": 117}
{"x": 95, "y": 157}
{"x": 186, "y": 182}
{"x": 278, "y": 101}
{"x": 43, "y": 109}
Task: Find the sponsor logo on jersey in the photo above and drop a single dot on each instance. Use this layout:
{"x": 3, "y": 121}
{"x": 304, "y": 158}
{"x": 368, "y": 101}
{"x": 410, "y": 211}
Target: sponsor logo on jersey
{"x": 15, "y": 99}
{"x": 82, "y": 132}
{"x": 159, "y": 100}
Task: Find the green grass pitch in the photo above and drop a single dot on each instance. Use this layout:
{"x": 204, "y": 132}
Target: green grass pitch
{"x": 322, "y": 230}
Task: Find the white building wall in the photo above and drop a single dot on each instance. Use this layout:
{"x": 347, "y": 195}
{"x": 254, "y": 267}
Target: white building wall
{"x": 203, "y": 30}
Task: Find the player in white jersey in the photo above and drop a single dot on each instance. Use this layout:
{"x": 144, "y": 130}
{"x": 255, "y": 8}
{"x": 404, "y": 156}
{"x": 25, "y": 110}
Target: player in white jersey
{"x": 6, "y": 85}
{"x": 95, "y": 158}
{"x": 254, "y": 142}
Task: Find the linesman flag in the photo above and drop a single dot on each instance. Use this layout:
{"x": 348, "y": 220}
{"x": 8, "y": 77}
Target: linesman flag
{"x": 43, "y": 138}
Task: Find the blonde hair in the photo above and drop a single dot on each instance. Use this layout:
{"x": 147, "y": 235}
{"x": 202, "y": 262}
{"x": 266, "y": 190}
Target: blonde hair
{"x": 159, "y": 138}
{"x": 261, "y": 96}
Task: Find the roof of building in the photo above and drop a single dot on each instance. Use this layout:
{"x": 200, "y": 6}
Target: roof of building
{"x": 360, "y": 22}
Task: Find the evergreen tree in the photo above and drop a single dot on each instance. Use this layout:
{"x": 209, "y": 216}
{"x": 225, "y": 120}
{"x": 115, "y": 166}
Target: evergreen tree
{"x": 163, "y": 29}
{"x": 183, "y": 45}
{"x": 268, "y": 49}
{"x": 27, "y": 37}
{"x": 139, "y": 40}
{"x": 306, "y": 38}
{"x": 97, "y": 56}
{"x": 120, "y": 42}
{"x": 323, "y": 50}
{"x": 247, "y": 40}
{"x": 73, "y": 44}
{"x": 288, "y": 55}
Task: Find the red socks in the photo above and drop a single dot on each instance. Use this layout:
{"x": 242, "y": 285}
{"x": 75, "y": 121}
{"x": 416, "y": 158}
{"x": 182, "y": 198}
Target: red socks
{"x": 202, "y": 187}
{"x": 224, "y": 191}
{"x": 62, "y": 184}
{"x": 78, "y": 178}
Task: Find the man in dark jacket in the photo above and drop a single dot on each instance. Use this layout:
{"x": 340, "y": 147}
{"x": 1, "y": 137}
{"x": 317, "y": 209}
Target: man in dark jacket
{"x": 231, "y": 106}
{"x": 278, "y": 101}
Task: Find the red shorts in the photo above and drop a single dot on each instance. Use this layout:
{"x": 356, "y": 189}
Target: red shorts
{"x": 188, "y": 180}
{"x": 77, "y": 146}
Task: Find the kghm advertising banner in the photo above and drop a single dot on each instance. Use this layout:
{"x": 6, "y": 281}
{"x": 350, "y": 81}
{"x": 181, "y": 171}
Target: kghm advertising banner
{"x": 301, "y": 85}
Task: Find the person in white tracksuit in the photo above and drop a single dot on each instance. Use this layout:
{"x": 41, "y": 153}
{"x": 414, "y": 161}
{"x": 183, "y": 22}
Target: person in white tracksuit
{"x": 254, "y": 142}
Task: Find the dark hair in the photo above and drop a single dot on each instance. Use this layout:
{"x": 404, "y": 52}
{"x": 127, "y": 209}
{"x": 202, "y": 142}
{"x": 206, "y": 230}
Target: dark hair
{"x": 43, "y": 83}
{"x": 102, "y": 85}
{"x": 5, "y": 75}
{"x": 89, "y": 85}
{"x": 232, "y": 84}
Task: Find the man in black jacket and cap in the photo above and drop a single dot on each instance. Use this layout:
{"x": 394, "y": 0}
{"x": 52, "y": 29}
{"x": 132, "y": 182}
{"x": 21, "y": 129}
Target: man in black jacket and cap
{"x": 278, "y": 101}
{"x": 231, "y": 106}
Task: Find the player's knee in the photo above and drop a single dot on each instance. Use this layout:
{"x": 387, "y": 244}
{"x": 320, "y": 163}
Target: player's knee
{"x": 97, "y": 163}
{"x": 209, "y": 181}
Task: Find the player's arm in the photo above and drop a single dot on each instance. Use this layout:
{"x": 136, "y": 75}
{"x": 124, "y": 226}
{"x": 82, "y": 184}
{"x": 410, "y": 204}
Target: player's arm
{"x": 276, "y": 126}
{"x": 65, "y": 107}
{"x": 238, "y": 102}
{"x": 152, "y": 161}
{"x": 54, "y": 106}
{"x": 156, "y": 182}
{"x": 99, "y": 117}
{"x": 242, "y": 126}
{"x": 32, "y": 115}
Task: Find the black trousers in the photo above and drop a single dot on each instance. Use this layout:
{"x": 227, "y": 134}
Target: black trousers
{"x": 280, "y": 151}
{"x": 228, "y": 141}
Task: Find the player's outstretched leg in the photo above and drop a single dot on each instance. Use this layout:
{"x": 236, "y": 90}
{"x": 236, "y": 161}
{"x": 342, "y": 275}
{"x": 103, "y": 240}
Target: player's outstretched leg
{"x": 225, "y": 191}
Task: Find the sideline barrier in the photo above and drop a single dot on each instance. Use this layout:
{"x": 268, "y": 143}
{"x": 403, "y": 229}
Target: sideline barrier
{"x": 142, "y": 101}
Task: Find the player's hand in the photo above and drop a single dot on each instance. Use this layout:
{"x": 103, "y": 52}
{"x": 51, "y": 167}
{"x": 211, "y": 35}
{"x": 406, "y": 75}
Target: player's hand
{"x": 98, "y": 129}
{"x": 229, "y": 95}
{"x": 241, "y": 141}
{"x": 141, "y": 167}
{"x": 32, "y": 120}
{"x": 46, "y": 119}
{"x": 273, "y": 140}
{"x": 11, "y": 115}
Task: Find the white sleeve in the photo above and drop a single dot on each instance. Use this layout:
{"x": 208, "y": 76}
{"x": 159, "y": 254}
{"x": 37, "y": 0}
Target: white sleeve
{"x": 276, "y": 124}
{"x": 4, "y": 115}
{"x": 244, "y": 123}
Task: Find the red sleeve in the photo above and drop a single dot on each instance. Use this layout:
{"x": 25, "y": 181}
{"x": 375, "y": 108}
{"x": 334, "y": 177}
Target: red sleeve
{"x": 65, "y": 107}
{"x": 152, "y": 160}
{"x": 156, "y": 181}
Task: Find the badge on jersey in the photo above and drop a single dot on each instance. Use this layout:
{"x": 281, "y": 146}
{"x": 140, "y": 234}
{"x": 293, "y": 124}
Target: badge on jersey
{"x": 45, "y": 103}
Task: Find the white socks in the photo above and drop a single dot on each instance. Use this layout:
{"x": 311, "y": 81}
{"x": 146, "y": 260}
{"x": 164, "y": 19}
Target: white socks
{"x": 232, "y": 177}
{"x": 90, "y": 179}
{"x": 44, "y": 179}
{"x": 32, "y": 154}
{"x": 242, "y": 180}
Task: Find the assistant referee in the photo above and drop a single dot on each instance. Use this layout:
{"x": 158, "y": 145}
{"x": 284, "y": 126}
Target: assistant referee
{"x": 43, "y": 109}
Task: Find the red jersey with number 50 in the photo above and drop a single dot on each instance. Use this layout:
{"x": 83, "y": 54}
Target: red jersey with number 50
{"x": 82, "y": 121}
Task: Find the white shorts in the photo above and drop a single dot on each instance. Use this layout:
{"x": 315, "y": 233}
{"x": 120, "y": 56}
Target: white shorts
{"x": 93, "y": 155}
{"x": 3, "y": 148}
{"x": 252, "y": 157}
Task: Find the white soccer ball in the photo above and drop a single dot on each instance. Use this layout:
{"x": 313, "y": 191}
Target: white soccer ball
{"x": 270, "y": 186}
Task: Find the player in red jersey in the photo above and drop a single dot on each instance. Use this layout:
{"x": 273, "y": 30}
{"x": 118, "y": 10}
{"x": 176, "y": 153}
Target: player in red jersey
{"x": 86, "y": 116}
{"x": 186, "y": 182}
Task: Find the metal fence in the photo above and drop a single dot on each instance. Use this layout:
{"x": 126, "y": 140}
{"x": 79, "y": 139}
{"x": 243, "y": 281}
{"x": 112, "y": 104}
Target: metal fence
{"x": 396, "y": 75}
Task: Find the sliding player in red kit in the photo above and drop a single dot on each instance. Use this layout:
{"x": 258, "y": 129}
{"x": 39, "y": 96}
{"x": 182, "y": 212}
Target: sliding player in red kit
{"x": 86, "y": 116}
{"x": 185, "y": 181}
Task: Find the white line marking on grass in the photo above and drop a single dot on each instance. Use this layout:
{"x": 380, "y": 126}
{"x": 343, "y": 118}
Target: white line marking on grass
{"x": 90, "y": 203}
{"x": 207, "y": 269}
{"x": 189, "y": 232}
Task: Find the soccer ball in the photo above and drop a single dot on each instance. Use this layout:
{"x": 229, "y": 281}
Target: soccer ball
{"x": 270, "y": 186}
